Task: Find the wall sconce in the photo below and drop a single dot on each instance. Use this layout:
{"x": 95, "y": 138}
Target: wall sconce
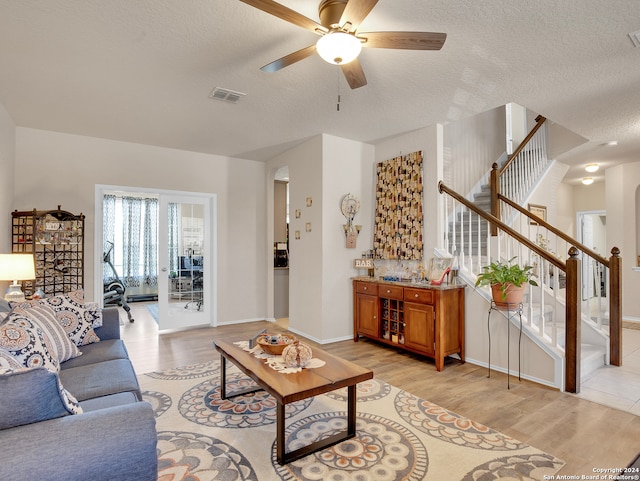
{"x": 350, "y": 207}
{"x": 351, "y": 233}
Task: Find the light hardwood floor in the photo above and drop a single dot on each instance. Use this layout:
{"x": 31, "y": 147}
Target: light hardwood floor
{"x": 585, "y": 434}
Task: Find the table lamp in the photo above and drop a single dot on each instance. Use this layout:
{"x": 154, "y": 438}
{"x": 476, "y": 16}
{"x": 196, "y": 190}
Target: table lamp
{"x": 16, "y": 267}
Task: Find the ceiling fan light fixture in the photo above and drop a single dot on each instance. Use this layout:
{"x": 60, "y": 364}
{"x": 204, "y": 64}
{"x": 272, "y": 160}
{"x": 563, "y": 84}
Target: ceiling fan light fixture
{"x": 338, "y": 48}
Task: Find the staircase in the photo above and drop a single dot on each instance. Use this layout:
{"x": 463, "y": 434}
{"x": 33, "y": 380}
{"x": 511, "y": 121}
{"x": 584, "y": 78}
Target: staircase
{"x": 480, "y": 233}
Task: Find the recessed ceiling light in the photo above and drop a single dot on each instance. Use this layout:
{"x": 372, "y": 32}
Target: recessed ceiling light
{"x": 587, "y": 180}
{"x": 591, "y": 167}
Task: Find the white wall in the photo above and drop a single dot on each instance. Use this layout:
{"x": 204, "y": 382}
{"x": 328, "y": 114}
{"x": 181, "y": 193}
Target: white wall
{"x": 471, "y": 146}
{"x": 565, "y": 210}
{"x": 7, "y": 156}
{"x": 60, "y": 169}
{"x": 7, "y": 171}
{"x": 324, "y": 168}
{"x": 545, "y": 192}
{"x": 305, "y": 254}
{"x": 620, "y": 192}
{"x": 347, "y": 168}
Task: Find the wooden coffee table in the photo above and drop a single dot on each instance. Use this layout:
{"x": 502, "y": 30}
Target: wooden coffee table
{"x": 287, "y": 388}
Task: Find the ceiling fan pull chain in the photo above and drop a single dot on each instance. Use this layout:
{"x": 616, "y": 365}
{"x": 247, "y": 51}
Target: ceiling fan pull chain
{"x": 338, "y": 84}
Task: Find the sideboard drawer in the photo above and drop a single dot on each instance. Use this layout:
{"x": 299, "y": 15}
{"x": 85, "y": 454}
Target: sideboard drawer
{"x": 390, "y": 292}
{"x": 370, "y": 288}
{"x": 418, "y": 295}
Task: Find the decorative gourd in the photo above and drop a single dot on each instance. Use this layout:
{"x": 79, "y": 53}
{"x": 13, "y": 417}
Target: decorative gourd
{"x": 297, "y": 354}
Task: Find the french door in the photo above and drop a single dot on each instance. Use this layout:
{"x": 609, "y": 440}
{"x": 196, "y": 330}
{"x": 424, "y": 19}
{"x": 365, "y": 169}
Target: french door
{"x": 185, "y": 261}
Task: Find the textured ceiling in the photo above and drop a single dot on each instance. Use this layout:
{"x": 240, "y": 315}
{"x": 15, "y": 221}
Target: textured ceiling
{"x": 141, "y": 71}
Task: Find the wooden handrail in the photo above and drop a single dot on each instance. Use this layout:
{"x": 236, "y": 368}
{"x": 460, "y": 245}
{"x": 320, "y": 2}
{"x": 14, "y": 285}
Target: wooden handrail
{"x": 539, "y": 121}
{"x": 591, "y": 253}
{"x": 502, "y": 226}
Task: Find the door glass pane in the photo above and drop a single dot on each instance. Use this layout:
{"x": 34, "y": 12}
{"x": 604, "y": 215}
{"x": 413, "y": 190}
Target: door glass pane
{"x": 186, "y": 228}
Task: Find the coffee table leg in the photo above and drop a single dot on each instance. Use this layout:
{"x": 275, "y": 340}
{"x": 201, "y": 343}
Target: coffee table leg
{"x": 280, "y": 454}
{"x": 223, "y": 377}
{"x": 223, "y": 383}
{"x": 284, "y": 457}
{"x": 351, "y": 411}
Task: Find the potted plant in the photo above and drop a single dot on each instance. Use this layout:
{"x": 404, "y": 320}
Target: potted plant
{"x": 507, "y": 281}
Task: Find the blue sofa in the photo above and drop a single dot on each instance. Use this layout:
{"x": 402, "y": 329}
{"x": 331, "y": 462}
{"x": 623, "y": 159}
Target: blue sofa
{"x": 114, "y": 438}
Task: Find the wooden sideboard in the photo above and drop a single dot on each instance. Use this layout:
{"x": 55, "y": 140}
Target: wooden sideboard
{"x": 424, "y": 319}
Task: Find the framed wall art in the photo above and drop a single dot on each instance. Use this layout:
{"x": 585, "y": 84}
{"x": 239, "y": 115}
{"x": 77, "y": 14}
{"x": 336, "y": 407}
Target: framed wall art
{"x": 539, "y": 211}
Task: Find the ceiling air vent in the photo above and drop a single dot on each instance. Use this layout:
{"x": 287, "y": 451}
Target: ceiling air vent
{"x": 226, "y": 95}
{"x": 635, "y": 38}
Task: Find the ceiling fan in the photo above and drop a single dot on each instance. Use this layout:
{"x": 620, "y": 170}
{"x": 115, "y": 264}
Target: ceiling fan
{"x": 340, "y": 41}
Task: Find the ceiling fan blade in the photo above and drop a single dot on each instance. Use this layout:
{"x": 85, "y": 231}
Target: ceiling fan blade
{"x": 355, "y": 12}
{"x": 289, "y": 59}
{"x": 286, "y": 14}
{"x": 354, "y": 74}
{"x": 404, "y": 40}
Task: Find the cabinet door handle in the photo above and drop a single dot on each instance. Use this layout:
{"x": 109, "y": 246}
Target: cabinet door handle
{"x": 364, "y": 288}
{"x": 388, "y": 291}
{"x": 416, "y": 295}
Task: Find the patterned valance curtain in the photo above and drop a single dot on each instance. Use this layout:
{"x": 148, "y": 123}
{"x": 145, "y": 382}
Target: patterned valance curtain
{"x": 398, "y": 220}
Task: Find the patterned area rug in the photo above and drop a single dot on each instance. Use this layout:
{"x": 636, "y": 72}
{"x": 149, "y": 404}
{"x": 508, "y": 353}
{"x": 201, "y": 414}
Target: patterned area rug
{"x": 399, "y": 436}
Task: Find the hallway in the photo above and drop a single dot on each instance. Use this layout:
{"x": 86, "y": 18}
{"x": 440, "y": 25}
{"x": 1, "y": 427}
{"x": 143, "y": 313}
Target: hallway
{"x": 618, "y": 387}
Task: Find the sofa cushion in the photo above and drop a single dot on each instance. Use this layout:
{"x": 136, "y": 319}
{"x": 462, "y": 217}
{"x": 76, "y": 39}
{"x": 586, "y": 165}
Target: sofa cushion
{"x": 112, "y": 444}
{"x": 28, "y": 343}
{"x": 45, "y": 318}
{"x": 109, "y": 401}
{"x": 33, "y": 395}
{"x": 105, "y": 350}
{"x": 70, "y": 311}
{"x": 101, "y": 379}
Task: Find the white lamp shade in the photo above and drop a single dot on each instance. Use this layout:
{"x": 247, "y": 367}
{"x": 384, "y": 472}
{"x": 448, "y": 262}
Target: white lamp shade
{"x": 16, "y": 267}
{"x": 338, "y": 48}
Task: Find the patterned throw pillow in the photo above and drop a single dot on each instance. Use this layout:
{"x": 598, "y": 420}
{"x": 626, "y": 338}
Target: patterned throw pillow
{"x": 8, "y": 363}
{"x": 70, "y": 402}
{"x": 45, "y": 318}
{"x": 71, "y": 313}
{"x": 27, "y": 343}
{"x": 93, "y": 314}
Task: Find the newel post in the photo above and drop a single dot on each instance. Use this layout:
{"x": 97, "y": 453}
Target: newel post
{"x": 495, "y": 190}
{"x": 615, "y": 308}
{"x": 573, "y": 321}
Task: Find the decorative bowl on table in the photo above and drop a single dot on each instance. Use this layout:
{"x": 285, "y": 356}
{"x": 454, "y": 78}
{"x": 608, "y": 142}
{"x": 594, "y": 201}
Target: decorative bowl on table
{"x": 296, "y": 354}
{"x": 275, "y": 343}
